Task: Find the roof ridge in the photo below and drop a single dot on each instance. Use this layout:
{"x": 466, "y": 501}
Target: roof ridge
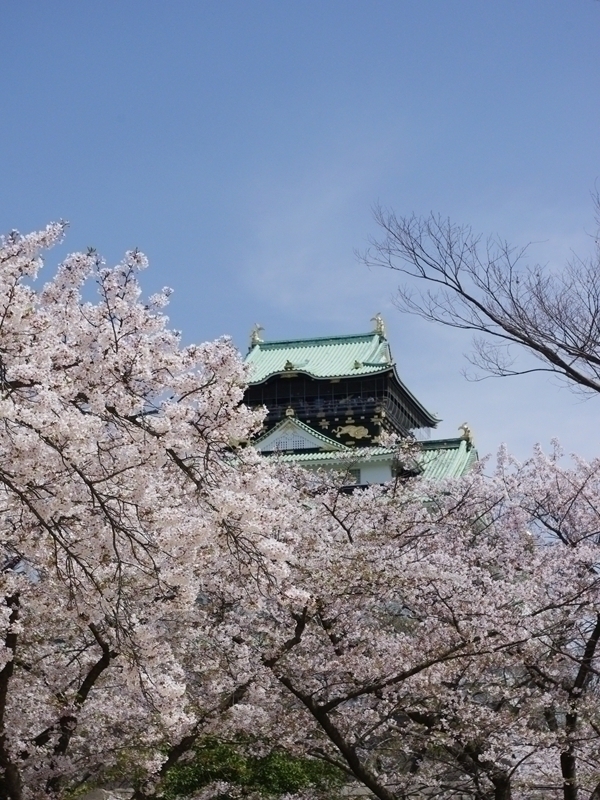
{"x": 332, "y": 338}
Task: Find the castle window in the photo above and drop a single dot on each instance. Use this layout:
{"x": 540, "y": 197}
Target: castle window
{"x": 293, "y": 443}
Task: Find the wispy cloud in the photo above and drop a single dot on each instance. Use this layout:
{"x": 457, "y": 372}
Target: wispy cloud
{"x": 306, "y": 227}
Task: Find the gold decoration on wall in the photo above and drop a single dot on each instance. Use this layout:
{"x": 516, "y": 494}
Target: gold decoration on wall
{"x": 355, "y": 431}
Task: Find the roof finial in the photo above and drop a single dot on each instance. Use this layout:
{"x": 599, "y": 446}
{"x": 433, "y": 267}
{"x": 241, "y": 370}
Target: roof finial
{"x": 467, "y": 433}
{"x": 379, "y": 324}
{"x": 255, "y": 334}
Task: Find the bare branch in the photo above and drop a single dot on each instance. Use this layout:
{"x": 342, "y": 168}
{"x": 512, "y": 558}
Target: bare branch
{"x": 489, "y": 289}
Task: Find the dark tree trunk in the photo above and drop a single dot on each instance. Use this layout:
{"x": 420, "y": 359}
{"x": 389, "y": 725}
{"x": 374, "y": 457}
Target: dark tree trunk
{"x": 10, "y": 778}
{"x": 502, "y": 788}
{"x": 568, "y": 766}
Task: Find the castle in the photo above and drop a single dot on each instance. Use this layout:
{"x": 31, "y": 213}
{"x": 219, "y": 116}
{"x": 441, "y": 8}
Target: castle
{"x": 329, "y": 401}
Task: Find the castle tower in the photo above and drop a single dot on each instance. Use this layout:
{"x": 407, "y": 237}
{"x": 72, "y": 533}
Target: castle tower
{"x": 330, "y": 396}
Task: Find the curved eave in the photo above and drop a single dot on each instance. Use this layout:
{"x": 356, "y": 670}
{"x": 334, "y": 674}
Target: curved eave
{"x": 438, "y": 460}
{"x": 431, "y": 419}
{"x": 358, "y": 373}
{"x": 349, "y": 457}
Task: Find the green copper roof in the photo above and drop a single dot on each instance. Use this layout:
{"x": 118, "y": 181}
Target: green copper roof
{"x": 325, "y": 357}
{"x": 446, "y": 458}
{"x": 439, "y": 458}
{"x": 349, "y": 457}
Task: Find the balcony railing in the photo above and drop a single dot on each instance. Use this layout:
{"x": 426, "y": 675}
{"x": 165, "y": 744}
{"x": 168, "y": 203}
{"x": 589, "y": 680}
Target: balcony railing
{"x": 326, "y": 408}
{"x": 346, "y": 406}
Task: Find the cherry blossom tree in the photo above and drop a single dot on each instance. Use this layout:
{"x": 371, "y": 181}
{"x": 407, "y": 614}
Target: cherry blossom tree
{"x": 446, "y": 643}
{"x": 124, "y": 502}
{"x": 162, "y": 583}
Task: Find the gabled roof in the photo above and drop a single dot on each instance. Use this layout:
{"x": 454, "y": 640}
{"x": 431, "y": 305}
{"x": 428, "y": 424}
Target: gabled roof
{"x": 438, "y": 459}
{"x": 290, "y": 429}
{"x": 324, "y": 357}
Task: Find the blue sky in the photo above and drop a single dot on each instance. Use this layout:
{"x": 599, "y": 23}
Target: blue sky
{"x": 242, "y": 145}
